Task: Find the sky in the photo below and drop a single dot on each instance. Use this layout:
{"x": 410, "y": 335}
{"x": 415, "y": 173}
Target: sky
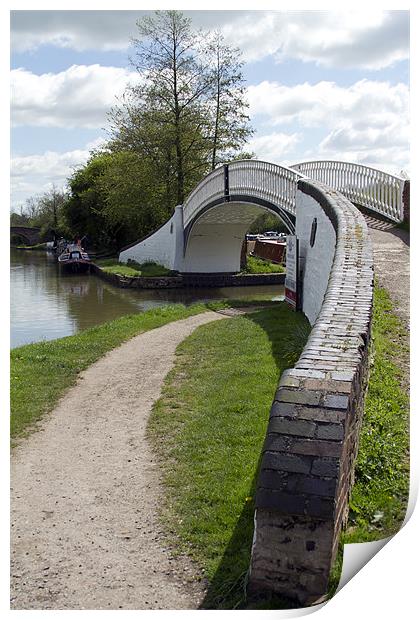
{"x": 320, "y": 85}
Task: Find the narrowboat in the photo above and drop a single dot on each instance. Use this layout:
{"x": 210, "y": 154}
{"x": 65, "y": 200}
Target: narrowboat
{"x": 74, "y": 259}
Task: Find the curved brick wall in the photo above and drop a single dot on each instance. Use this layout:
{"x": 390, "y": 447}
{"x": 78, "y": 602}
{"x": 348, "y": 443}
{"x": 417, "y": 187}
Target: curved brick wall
{"x": 312, "y": 437}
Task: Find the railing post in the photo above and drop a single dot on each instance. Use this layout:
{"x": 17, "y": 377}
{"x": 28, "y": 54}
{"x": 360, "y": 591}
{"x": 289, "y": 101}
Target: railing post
{"x": 226, "y": 178}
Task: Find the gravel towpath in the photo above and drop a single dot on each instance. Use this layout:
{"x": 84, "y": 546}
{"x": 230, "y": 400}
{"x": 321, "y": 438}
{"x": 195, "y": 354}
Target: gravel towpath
{"x": 86, "y": 491}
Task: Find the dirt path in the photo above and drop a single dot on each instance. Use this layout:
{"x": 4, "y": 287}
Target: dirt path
{"x": 86, "y": 491}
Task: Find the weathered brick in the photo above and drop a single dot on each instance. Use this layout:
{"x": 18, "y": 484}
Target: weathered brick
{"x": 324, "y": 467}
{"x": 277, "y": 443}
{"x": 342, "y": 376}
{"x": 271, "y": 479}
{"x": 291, "y": 426}
{"x": 321, "y": 415}
{"x": 328, "y": 384}
{"x": 299, "y": 483}
{"x": 285, "y": 503}
{"x": 333, "y": 368}
{"x": 304, "y": 397}
{"x": 287, "y": 381}
{"x": 286, "y": 462}
{"x": 283, "y": 409}
{"x": 330, "y": 431}
{"x": 315, "y": 374}
{"x": 320, "y": 507}
{"x": 314, "y": 447}
{"x": 336, "y": 401}
{"x": 319, "y": 486}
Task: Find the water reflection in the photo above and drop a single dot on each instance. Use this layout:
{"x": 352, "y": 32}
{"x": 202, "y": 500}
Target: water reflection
{"x": 46, "y": 304}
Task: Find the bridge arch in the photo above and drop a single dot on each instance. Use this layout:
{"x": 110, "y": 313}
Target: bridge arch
{"x": 30, "y": 234}
{"x": 213, "y": 238}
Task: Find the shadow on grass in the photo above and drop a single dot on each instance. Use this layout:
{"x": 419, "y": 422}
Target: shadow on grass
{"x": 288, "y": 333}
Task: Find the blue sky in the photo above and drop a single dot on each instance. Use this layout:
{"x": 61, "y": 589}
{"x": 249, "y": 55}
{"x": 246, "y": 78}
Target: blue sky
{"x": 320, "y": 84}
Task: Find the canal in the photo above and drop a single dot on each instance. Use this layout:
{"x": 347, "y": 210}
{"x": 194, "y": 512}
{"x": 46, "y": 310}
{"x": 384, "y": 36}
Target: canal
{"x": 46, "y": 305}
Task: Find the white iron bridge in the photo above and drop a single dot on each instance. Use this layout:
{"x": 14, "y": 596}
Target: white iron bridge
{"x": 274, "y": 186}
{"x": 205, "y": 234}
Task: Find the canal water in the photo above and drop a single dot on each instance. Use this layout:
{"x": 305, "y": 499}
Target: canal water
{"x": 46, "y": 305}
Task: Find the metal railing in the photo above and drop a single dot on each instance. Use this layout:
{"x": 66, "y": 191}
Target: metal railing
{"x": 362, "y": 185}
{"x": 249, "y": 177}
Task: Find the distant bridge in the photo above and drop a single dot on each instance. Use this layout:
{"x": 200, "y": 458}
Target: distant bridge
{"x": 206, "y": 233}
{"x": 30, "y": 234}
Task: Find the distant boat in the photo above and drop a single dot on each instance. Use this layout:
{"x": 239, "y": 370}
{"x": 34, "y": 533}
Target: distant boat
{"x": 74, "y": 258}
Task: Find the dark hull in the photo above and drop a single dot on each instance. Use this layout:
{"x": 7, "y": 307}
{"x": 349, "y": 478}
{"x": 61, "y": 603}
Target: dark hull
{"x": 75, "y": 266}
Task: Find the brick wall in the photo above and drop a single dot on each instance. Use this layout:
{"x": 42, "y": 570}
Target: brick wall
{"x": 307, "y": 464}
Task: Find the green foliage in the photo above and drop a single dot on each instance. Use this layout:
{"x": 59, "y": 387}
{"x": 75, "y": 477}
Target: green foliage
{"x": 84, "y": 209}
{"x": 208, "y": 429}
{"x": 259, "y": 265}
{"x": 188, "y": 112}
{"x": 226, "y": 101}
{"x": 265, "y": 222}
{"x": 44, "y": 211}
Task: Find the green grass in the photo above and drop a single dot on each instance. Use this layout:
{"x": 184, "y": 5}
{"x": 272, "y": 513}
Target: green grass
{"x": 37, "y": 246}
{"x": 41, "y": 372}
{"x": 379, "y": 497}
{"x": 132, "y": 268}
{"x": 380, "y": 494}
{"x": 404, "y": 225}
{"x": 208, "y": 429}
{"x": 259, "y": 265}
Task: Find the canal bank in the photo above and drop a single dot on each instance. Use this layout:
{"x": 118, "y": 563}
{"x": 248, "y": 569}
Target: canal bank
{"x": 191, "y": 280}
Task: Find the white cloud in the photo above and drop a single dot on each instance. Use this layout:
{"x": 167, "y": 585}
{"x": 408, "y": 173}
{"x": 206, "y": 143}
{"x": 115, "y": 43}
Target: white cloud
{"x": 35, "y": 174}
{"x": 274, "y": 147}
{"x": 78, "y": 30}
{"x": 368, "y": 103}
{"x": 366, "y": 122}
{"x": 364, "y": 39}
{"x": 80, "y": 96}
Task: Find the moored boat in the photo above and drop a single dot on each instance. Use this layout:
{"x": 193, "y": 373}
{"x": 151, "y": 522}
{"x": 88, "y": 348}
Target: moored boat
{"x": 74, "y": 258}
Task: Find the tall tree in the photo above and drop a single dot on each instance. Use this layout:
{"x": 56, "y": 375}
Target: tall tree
{"x": 188, "y": 110}
{"x": 226, "y": 101}
{"x": 168, "y": 100}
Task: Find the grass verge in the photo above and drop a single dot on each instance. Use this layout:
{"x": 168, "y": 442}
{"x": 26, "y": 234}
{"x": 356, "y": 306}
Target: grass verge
{"x": 208, "y": 429}
{"x": 132, "y": 268}
{"x": 259, "y": 265}
{"x": 380, "y": 494}
{"x": 42, "y": 371}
